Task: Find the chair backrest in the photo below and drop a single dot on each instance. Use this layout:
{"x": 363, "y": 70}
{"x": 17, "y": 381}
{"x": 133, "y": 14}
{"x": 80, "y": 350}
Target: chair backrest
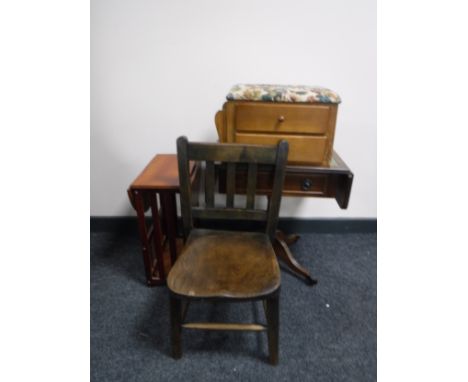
{"x": 231, "y": 155}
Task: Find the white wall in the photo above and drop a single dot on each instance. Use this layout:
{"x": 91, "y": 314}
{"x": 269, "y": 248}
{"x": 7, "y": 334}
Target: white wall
{"x": 162, "y": 68}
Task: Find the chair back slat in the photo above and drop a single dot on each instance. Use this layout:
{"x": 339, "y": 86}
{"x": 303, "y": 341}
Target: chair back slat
{"x": 230, "y": 184}
{"x": 231, "y": 158}
{"x": 209, "y": 183}
{"x": 251, "y": 185}
{"x": 277, "y": 190}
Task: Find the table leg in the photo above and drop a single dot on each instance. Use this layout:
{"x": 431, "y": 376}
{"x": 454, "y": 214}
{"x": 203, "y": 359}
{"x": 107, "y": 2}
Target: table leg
{"x": 143, "y": 232}
{"x": 288, "y": 239}
{"x": 282, "y": 252}
{"x": 168, "y": 202}
{"x": 157, "y": 237}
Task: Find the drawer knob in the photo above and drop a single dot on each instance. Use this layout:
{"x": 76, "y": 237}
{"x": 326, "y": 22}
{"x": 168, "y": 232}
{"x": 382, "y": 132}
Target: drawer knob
{"x": 281, "y": 118}
{"x": 306, "y": 184}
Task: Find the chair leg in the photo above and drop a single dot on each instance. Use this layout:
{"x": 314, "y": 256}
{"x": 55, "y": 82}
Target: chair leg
{"x": 272, "y": 316}
{"x": 176, "y": 315}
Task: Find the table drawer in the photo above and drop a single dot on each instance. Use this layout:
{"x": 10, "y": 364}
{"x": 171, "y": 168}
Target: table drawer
{"x": 305, "y": 184}
{"x": 334, "y": 181}
{"x": 261, "y": 117}
{"x": 294, "y": 183}
{"x": 302, "y": 148}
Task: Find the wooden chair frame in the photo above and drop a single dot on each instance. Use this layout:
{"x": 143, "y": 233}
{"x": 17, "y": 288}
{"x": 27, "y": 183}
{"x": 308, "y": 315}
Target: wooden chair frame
{"x": 231, "y": 154}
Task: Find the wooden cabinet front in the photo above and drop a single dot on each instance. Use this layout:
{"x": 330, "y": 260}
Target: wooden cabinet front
{"x": 282, "y": 118}
{"x": 309, "y": 128}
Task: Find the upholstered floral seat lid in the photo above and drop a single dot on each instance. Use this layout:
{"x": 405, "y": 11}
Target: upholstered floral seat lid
{"x": 282, "y": 93}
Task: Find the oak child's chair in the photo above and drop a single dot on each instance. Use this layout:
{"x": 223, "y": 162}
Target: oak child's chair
{"x": 225, "y": 265}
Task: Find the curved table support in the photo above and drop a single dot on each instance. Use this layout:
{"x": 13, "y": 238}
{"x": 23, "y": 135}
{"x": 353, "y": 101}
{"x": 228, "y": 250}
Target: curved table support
{"x": 283, "y": 253}
{"x": 288, "y": 239}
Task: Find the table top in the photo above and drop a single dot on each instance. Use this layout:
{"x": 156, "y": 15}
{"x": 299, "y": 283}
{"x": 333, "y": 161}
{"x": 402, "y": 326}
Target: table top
{"x": 336, "y": 166}
{"x": 161, "y": 173}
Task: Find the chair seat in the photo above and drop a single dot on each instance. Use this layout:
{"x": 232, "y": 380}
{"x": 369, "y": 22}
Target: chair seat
{"x": 226, "y": 265}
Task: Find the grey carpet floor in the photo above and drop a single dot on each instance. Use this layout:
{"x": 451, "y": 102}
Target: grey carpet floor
{"x": 327, "y": 332}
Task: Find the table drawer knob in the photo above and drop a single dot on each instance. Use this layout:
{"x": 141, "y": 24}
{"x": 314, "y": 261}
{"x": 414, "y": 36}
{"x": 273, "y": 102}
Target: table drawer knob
{"x": 306, "y": 184}
{"x": 281, "y": 118}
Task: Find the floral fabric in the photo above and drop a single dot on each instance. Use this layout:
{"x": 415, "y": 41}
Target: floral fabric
{"x": 282, "y": 93}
